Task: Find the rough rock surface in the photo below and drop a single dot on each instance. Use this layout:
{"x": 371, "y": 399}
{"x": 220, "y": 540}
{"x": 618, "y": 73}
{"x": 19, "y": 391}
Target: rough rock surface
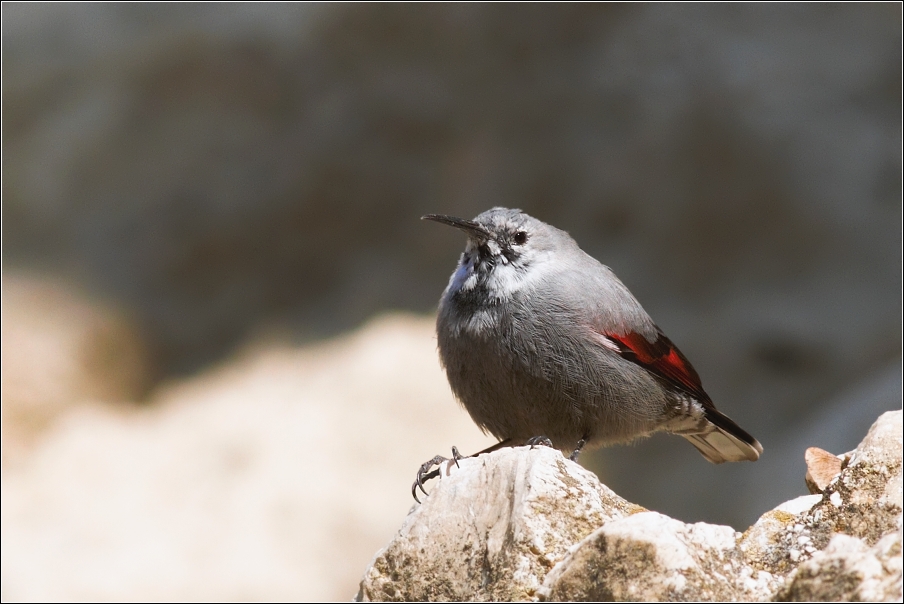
{"x": 849, "y": 570}
{"x": 527, "y": 524}
{"x": 653, "y": 557}
{"x": 493, "y": 529}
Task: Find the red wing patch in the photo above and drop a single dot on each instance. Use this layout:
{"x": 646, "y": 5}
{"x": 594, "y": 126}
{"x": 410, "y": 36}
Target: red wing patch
{"x": 661, "y": 358}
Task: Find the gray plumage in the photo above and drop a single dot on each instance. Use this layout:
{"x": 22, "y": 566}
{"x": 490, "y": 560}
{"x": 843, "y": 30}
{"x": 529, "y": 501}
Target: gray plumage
{"x": 538, "y": 338}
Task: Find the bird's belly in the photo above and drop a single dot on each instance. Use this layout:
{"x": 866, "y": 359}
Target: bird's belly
{"x": 505, "y": 398}
{"x": 518, "y": 388}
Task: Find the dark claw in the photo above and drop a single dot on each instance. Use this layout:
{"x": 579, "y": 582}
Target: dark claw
{"x": 456, "y": 456}
{"x": 577, "y": 451}
{"x": 419, "y": 483}
{"x": 425, "y": 472}
{"x": 536, "y": 441}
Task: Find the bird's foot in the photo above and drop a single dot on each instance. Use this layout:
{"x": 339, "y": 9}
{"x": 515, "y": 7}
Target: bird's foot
{"x": 536, "y": 441}
{"x": 577, "y": 450}
{"x": 426, "y": 471}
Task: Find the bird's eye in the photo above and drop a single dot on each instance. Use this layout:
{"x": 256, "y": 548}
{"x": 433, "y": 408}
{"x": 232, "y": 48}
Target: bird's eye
{"x": 520, "y": 238}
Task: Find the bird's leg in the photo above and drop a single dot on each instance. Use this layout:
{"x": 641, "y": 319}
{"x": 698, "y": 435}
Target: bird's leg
{"x": 536, "y": 441}
{"x": 425, "y": 472}
{"x": 577, "y": 450}
{"x": 502, "y": 443}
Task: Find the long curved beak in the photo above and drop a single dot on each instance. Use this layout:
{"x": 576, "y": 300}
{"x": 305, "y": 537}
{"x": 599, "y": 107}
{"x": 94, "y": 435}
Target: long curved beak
{"x": 468, "y": 226}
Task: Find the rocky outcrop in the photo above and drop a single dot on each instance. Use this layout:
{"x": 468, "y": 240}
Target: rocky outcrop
{"x": 653, "y": 557}
{"x": 494, "y": 529}
{"x": 849, "y": 570}
{"x": 527, "y": 524}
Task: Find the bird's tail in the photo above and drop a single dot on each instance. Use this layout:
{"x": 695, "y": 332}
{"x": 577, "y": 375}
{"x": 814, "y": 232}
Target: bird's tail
{"x": 722, "y": 440}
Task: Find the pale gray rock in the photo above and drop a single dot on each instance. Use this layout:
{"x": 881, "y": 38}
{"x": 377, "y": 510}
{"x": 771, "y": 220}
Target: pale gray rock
{"x": 863, "y": 501}
{"x": 651, "y": 557}
{"x": 492, "y": 529}
{"x": 523, "y": 524}
{"x": 770, "y": 544}
{"x": 849, "y": 570}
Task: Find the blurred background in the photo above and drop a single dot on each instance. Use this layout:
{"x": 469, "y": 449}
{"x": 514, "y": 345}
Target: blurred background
{"x": 219, "y": 368}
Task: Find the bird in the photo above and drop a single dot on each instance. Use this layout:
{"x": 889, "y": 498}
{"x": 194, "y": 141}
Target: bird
{"x": 543, "y": 344}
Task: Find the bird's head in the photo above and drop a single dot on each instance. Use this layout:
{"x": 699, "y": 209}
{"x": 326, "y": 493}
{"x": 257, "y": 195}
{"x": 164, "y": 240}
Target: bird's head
{"x": 505, "y": 250}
